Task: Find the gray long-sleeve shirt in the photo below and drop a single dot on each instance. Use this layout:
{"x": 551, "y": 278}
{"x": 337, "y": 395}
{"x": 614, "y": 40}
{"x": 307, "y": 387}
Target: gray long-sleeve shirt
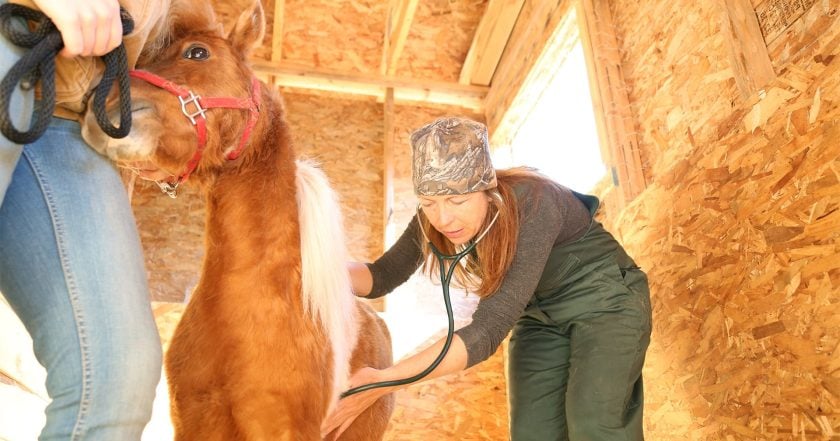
{"x": 548, "y": 219}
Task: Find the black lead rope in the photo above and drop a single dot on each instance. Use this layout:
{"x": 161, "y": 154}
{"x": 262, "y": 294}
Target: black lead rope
{"x": 38, "y": 65}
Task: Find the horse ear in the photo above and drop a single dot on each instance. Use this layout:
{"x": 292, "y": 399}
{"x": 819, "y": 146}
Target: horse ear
{"x": 249, "y": 29}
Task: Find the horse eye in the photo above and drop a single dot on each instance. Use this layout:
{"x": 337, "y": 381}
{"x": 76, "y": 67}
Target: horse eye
{"x": 197, "y": 53}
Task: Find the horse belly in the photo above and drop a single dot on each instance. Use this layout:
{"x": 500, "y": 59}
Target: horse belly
{"x": 372, "y": 349}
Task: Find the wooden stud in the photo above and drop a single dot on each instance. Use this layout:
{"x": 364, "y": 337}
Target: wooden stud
{"x": 380, "y": 304}
{"x": 277, "y": 36}
{"x": 277, "y": 31}
{"x": 491, "y": 38}
{"x": 400, "y": 16}
{"x": 594, "y": 90}
{"x": 388, "y": 159}
{"x": 602, "y": 48}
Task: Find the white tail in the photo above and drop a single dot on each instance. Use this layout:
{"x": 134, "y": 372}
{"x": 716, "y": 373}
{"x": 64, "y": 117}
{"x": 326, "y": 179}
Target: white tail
{"x": 327, "y": 293}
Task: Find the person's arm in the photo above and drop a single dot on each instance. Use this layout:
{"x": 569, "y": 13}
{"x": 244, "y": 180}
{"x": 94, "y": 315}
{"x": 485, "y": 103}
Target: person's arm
{"x": 393, "y": 268}
{"x": 360, "y": 278}
{"x": 350, "y": 407}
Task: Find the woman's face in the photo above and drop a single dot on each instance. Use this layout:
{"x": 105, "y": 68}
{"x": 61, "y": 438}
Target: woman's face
{"x": 458, "y": 217}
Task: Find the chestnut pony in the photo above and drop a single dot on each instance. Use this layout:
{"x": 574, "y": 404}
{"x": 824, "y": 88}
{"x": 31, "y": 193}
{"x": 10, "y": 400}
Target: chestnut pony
{"x": 272, "y": 331}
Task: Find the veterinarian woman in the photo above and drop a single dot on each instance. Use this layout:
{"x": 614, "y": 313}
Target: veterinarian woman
{"x": 71, "y": 264}
{"x": 578, "y": 305}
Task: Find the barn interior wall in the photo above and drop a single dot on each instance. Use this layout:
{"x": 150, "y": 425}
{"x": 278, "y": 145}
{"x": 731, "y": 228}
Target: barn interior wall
{"x": 739, "y": 228}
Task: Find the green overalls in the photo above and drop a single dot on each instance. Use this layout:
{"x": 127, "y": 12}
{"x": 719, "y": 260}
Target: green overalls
{"x": 576, "y": 354}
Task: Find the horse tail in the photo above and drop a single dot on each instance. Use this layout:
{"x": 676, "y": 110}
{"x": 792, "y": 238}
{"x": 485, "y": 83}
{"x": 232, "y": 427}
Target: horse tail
{"x": 327, "y": 292}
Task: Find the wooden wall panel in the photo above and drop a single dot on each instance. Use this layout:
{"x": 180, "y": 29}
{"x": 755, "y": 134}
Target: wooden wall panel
{"x": 346, "y": 137}
{"x": 439, "y": 39}
{"x": 680, "y": 82}
{"x": 739, "y": 230}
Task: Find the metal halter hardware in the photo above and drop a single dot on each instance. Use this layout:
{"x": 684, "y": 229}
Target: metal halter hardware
{"x": 170, "y": 189}
{"x": 194, "y": 100}
{"x": 197, "y": 118}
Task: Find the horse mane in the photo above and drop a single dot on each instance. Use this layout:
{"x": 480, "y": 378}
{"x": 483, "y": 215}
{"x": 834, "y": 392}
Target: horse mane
{"x": 327, "y": 292}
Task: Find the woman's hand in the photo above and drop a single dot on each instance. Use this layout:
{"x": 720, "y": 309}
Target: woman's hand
{"x": 88, "y": 27}
{"x": 351, "y": 407}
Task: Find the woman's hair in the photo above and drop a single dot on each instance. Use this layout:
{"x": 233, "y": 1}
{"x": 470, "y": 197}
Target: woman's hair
{"x": 483, "y": 270}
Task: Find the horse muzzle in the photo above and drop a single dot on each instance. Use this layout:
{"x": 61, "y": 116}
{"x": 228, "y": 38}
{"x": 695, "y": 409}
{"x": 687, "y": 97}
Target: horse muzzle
{"x": 138, "y": 146}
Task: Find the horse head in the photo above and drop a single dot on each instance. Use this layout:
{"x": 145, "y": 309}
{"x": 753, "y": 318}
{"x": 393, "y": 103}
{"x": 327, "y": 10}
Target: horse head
{"x": 195, "y": 101}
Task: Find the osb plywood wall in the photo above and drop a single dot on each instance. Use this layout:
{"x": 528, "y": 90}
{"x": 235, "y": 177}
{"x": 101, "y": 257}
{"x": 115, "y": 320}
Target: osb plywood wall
{"x": 439, "y": 39}
{"x": 345, "y": 137}
{"x": 347, "y": 36}
{"x": 739, "y": 228}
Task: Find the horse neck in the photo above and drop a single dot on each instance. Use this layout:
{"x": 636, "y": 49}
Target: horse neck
{"x": 252, "y": 213}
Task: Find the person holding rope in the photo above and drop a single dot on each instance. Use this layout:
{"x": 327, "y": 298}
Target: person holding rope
{"x": 577, "y": 304}
{"x": 71, "y": 265}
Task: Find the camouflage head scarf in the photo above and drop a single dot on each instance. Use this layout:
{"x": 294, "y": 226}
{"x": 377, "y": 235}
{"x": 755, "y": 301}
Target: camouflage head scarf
{"x": 451, "y": 156}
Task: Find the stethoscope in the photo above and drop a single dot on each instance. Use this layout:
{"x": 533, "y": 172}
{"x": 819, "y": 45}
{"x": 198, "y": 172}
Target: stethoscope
{"x": 445, "y": 279}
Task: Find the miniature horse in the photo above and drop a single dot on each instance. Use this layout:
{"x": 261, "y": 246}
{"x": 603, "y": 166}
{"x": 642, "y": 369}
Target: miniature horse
{"x": 272, "y": 330}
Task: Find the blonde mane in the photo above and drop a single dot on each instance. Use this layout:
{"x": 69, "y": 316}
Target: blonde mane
{"x": 327, "y": 293}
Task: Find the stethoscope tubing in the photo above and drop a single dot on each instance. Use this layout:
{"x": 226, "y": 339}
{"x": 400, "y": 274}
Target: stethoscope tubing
{"x": 445, "y": 279}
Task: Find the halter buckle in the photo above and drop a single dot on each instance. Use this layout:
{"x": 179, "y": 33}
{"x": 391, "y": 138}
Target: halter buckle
{"x": 168, "y": 188}
{"x": 191, "y": 99}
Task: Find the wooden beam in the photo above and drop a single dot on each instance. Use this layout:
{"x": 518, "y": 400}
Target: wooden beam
{"x": 277, "y": 31}
{"x": 388, "y": 131}
{"x": 489, "y": 42}
{"x": 601, "y": 50}
{"x": 388, "y": 157}
{"x": 536, "y": 24}
{"x": 747, "y": 50}
{"x": 405, "y": 90}
{"x": 598, "y": 110}
{"x": 400, "y": 16}
{"x": 277, "y": 34}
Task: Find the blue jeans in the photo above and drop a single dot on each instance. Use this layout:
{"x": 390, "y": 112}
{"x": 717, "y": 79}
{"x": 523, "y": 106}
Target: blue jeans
{"x": 72, "y": 269}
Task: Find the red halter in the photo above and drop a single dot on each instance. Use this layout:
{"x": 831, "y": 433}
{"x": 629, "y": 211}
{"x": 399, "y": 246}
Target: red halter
{"x": 197, "y": 118}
